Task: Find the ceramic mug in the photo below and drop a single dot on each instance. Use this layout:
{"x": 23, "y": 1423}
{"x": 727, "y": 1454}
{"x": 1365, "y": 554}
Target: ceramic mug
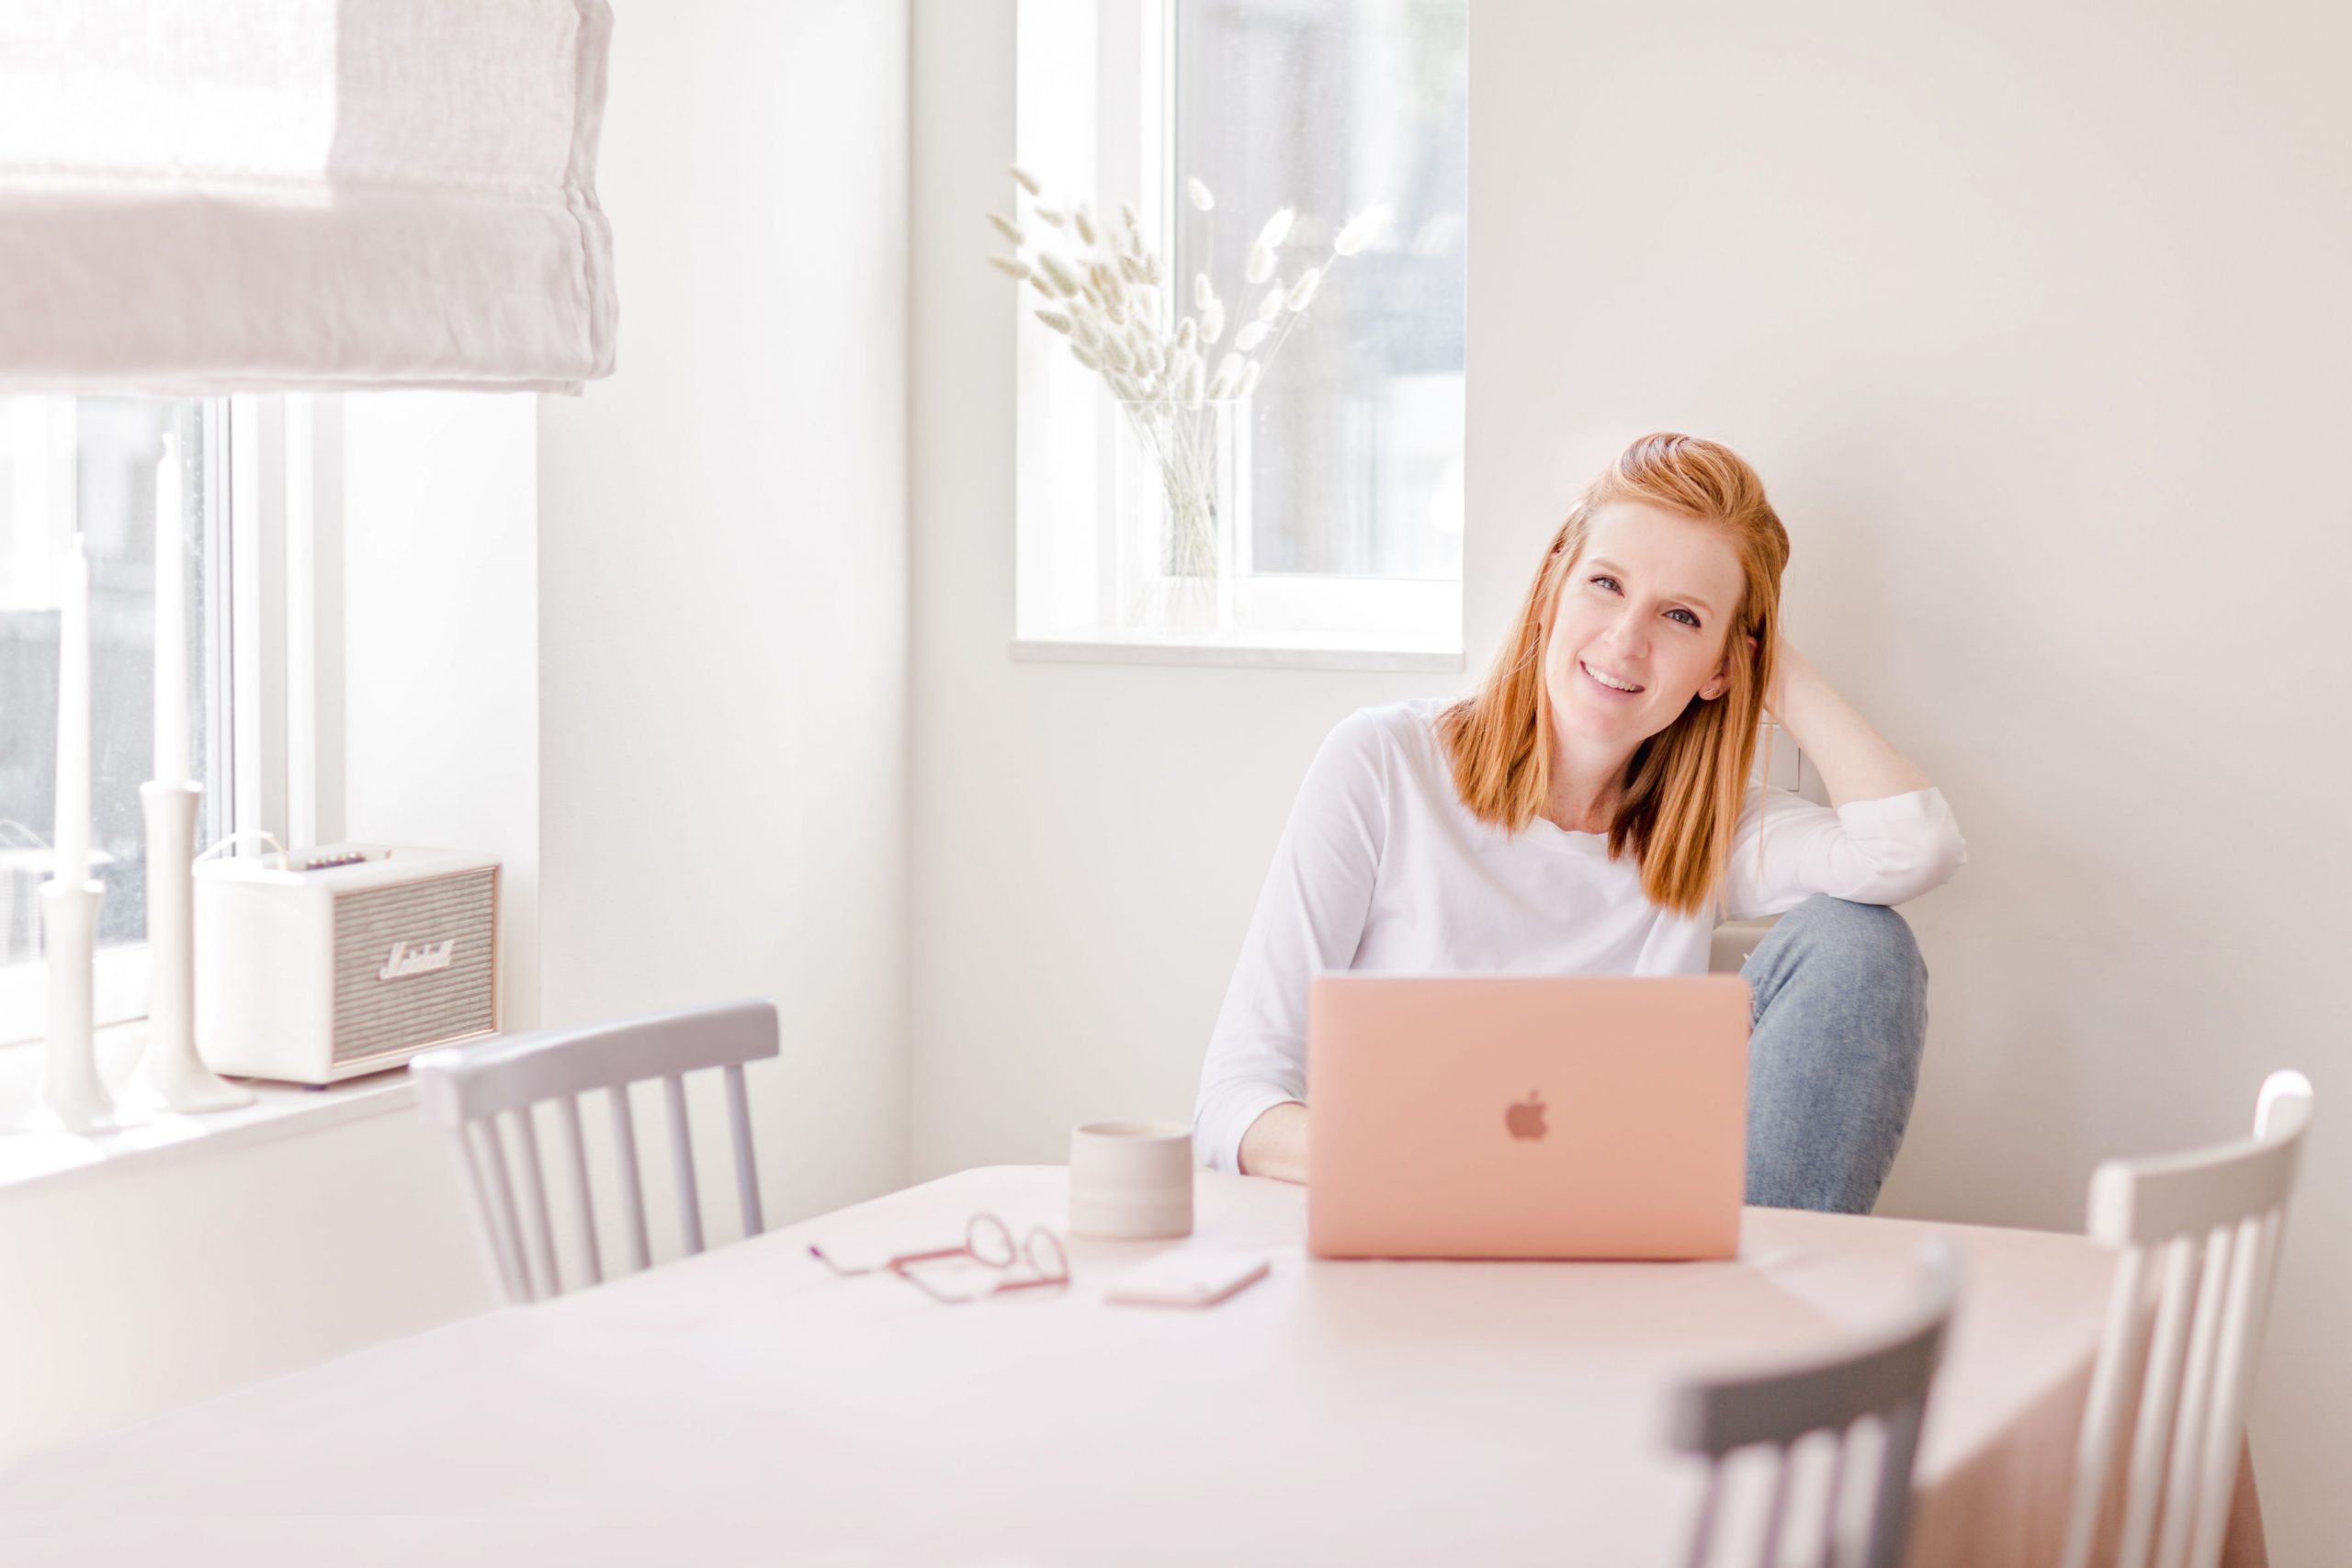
{"x": 1131, "y": 1180}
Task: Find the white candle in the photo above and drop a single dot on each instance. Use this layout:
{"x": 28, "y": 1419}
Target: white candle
{"x": 72, "y": 837}
{"x": 170, "y": 622}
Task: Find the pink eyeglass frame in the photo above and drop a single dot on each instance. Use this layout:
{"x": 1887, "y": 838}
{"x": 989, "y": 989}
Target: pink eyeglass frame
{"x": 981, "y": 1228}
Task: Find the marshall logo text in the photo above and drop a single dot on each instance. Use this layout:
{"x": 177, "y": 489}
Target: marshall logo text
{"x": 406, "y": 960}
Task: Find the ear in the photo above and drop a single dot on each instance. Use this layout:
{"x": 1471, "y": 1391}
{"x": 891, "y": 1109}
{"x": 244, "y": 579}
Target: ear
{"x": 1720, "y": 681}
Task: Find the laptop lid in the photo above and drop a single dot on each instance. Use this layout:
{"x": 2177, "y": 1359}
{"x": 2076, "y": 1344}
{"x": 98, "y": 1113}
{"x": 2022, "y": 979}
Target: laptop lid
{"x": 1526, "y": 1116}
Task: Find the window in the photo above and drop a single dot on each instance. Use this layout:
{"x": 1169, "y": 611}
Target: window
{"x": 1332, "y": 105}
{"x": 261, "y": 520}
{"x": 89, "y": 465}
{"x": 1349, "y": 511}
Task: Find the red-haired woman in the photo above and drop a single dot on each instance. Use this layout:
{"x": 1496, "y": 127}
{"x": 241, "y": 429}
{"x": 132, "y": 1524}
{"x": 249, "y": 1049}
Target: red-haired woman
{"x": 1588, "y": 812}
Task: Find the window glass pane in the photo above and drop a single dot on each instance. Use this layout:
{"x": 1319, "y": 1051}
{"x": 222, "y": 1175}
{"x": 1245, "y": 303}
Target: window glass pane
{"x": 90, "y": 463}
{"x": 1330, "y": 106}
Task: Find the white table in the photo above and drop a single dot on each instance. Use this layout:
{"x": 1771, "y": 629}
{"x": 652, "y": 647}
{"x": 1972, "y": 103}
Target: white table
{"x": 747, "y": 1406}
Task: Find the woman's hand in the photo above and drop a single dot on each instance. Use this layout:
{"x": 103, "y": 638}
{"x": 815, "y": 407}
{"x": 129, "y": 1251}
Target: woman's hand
{"x": 1854, "y": 761}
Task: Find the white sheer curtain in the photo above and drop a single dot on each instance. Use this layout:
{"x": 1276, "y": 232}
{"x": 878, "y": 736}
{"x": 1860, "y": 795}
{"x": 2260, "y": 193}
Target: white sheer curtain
{"x": 212, "y": 196}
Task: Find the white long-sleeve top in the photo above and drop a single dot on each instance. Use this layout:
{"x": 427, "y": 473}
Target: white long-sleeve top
{"x": 1383, "y": 867}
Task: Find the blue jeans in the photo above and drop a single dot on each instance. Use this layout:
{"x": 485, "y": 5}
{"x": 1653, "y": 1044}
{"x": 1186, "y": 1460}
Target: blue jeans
{"x": 1833, "y": 1053}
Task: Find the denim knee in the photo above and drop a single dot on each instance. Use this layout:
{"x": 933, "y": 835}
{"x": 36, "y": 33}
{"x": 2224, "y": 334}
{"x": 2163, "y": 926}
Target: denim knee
{"x": 1868, "y": 940}
{"x": 1840, "y": 998}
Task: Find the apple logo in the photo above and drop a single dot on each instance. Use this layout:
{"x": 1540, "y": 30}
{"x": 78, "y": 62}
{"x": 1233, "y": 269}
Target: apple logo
{"x": 1525, "y": 1117}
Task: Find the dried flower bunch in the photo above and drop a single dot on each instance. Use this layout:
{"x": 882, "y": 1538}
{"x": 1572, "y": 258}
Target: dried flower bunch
{"x": 1104, "y": 294}
{"x": 1107, "y": 293}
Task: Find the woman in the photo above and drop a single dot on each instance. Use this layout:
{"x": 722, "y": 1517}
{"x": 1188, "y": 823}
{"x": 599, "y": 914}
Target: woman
{"x": 1587, "y": 812}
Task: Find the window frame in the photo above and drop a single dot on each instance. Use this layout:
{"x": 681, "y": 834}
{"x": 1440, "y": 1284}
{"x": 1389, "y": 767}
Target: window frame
{"x": 273, "y": 629}
{"x": 1078, "y": 132}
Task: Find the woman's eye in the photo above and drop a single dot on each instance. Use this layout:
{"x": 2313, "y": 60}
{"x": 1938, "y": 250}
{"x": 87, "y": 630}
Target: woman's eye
{"x": 1603, "y": 580}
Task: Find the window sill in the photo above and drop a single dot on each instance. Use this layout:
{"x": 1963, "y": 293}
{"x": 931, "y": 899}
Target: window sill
{"x": 1322, "y": 650}
{"x": 40, "y": 1162}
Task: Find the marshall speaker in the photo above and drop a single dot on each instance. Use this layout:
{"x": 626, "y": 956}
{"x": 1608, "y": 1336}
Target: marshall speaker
{"x": 343, "y": 960}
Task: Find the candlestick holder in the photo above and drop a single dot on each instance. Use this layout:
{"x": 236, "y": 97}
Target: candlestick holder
{"x": 171, "y": 1075}
{"x": 72, "y": 1098}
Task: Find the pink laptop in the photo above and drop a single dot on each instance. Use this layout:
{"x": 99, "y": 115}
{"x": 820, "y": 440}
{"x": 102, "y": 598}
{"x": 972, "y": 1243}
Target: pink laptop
{"x": 1536, "y": 1116}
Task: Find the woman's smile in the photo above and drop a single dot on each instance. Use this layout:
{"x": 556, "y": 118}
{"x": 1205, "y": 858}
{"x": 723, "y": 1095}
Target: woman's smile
{"x": 1615, "y": 684}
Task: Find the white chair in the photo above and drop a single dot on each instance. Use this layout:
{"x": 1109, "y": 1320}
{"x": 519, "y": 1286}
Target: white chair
{"x": 2203, "y": 1229}
{"x": 469, "y": 1088}
{"x": 1885, "y": 1376}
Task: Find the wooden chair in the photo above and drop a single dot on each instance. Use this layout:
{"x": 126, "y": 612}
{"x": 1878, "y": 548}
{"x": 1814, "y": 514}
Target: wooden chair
{"x": 2203, "y": 1229}
{"x": 1885, "y": 1376}
{"x": 469, "y": 1088}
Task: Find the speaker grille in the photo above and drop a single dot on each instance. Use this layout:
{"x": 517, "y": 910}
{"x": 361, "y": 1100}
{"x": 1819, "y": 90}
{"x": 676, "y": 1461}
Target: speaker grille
{"x": 373, "y": 1015}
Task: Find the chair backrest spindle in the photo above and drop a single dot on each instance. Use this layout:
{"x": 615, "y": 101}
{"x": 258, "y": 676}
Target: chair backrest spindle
{"x": 540, "y": 1226}
{"x": 484, "y": 1176}
{"x": 2241, "y": 1338}
{"x": 1703, "y": 1535}
{"x": 508, "y": 1234}
{"x": 584, "y": 1200}
{"x": 747, "y": 1173}
{"x": 1778, "y": 1520}
{"x": 1891, "y": 1502}
{"x": 682, "y": 1162}
{"x": 632, "y": 1190}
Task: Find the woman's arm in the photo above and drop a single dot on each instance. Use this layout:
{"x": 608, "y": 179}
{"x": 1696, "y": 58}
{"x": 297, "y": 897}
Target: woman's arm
{"x": 1890, "y": 837}
{"x": 1854, "y": 761}
{"x": 1276, "y": 1144}
{"x": 1310, "y": 917}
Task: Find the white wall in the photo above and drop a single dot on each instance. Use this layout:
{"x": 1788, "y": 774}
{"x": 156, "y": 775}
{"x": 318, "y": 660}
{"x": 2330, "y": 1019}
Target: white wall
{"x": 2033, "y": 319}
{"x": 722, "y": 573}
{"x": 440, "y": 644}
{"x": 172, "y": 1278}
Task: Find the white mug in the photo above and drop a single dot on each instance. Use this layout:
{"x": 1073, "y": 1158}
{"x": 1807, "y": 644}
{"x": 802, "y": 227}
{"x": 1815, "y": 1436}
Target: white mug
{"x": 1131, "y": 1180}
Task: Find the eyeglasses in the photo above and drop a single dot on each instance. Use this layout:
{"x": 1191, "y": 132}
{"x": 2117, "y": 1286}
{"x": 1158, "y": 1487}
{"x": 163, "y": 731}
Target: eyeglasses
{"x": 987, "y": 1241}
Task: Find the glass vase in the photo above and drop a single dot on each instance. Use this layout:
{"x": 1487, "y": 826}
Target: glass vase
{"x": 1177, "y": 480}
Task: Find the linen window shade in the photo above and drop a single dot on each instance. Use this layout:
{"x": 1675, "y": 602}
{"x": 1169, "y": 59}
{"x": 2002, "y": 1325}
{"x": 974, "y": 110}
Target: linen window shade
{"x": 277, "y": 195}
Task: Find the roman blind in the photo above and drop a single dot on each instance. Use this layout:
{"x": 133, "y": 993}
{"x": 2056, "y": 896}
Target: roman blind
{"x": 277, "y": 195}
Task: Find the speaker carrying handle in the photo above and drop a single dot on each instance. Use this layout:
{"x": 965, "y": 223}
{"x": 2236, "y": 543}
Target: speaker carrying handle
{"x": 232, "y": 840}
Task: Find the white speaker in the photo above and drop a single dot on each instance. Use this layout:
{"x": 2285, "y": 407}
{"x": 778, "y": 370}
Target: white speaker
{"x": 347, "y": 959}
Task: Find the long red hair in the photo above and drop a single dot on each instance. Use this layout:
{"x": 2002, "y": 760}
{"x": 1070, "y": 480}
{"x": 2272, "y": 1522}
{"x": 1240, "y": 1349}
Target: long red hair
{"x": 1685, "y": 784}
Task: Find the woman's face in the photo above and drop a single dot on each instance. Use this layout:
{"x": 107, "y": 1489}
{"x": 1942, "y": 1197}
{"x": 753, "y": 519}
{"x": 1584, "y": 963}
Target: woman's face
{"x": 1640, "y": 625}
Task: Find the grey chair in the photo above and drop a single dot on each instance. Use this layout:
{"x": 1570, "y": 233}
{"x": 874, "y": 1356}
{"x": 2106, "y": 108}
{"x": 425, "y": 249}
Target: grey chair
{"x": 1884, "y": 1376}
{"x": 468, "y": 1088}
